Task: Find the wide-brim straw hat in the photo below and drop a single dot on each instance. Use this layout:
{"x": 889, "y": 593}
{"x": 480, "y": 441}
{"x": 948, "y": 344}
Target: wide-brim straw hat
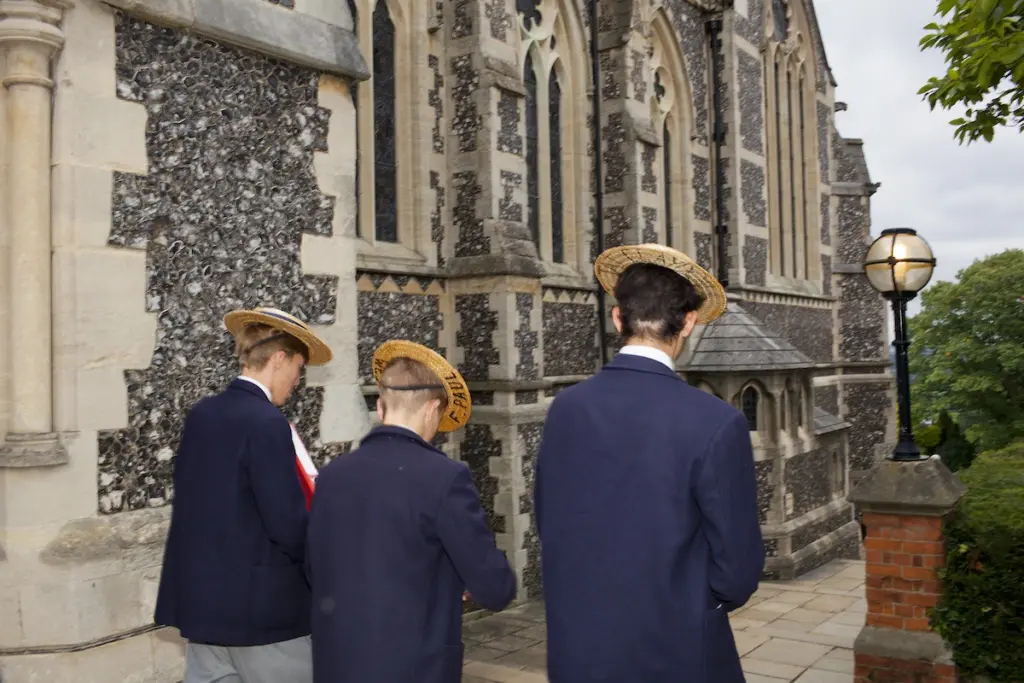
{"x": 460, "y": 403}
{"x": 317, "y": 349}
{"x": 610, "y": 265}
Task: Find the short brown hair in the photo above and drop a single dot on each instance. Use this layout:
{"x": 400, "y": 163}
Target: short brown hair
{"x": 406, "y": 372}
{"x": 256, "y": 343}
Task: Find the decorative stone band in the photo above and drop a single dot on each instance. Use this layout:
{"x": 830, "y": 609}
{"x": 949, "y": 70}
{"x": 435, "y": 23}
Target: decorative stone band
{"x": 261, "y": 26}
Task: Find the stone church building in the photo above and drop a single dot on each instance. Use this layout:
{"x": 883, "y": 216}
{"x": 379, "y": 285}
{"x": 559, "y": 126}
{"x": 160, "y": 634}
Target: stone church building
{"x": 400, "y": 168}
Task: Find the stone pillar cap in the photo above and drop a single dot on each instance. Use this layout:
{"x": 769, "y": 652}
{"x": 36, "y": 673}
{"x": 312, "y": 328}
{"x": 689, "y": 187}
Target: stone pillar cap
{"x": 922, "y": 487}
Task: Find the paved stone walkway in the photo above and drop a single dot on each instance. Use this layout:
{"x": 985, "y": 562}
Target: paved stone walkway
{"x": 798, "y": 631}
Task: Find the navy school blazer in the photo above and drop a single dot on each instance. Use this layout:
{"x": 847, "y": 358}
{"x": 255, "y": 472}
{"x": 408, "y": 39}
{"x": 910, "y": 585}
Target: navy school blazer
{"x": 396, "y": 533}
{"x": 647, "y": 515}
{"x": 233, "y": 571}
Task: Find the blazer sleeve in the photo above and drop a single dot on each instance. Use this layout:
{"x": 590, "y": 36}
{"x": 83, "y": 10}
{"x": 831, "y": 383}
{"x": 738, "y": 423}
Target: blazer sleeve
{"x": 726, "y": 493}
{"x": 462, "y": 528}
{"x": 275, "y": 484}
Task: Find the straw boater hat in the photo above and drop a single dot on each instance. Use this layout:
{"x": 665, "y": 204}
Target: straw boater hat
{"x": 318, "y": 350}
{"x": 459, "y": 402}
{"x": 612, "y": 263}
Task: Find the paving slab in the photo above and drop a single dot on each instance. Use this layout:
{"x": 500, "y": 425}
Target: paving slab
{"x": 798, "y": 631}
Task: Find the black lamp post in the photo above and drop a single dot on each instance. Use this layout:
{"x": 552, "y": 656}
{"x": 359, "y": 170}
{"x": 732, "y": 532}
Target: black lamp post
{"x": 899, "y": 264}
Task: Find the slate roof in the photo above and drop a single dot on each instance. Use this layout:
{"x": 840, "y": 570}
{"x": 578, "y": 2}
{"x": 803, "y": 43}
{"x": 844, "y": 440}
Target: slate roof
{"x": 826, "y": 422}
{"x": 737, "y": 341}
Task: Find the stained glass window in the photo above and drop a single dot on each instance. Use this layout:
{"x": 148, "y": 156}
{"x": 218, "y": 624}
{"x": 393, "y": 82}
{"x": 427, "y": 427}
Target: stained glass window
{"x": 792, "y": 170}
{"x": 803, "y": 180}
{"x": 532, "y": 187}
{"x": 354, "y": 89}
{"x": 780, "y": 19}
{"x": 555, "y": 140}
{"x": 530, "y": 11}
{"x": 666, "y": 153}
{"x": 778, "y": 171}
{"x": 751, "y": 401}
{"x": 385, "y": 176}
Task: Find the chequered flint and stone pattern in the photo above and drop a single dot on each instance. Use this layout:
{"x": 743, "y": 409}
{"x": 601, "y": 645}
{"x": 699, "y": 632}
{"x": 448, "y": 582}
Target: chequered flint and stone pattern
{"x": 701, "y": 187}
{"x": 755, "y": 259}
{"x": 570, "y": 334}
{"x": 752, "y": 193}
{"x": 703, "y": 245}
{"x": 530, "y": 433}
{"x": 751, "y": 26}
{"x": 808, "y": 329}
{"x": 526, "y": 339}
{"x": 230, "y": 139}
{"x": 826, "y": 218}
{"x": 477, "y": 324}
{"x": 764, "y": 470}
{"x": 861, "y": 320}
{"x": 851, "y": 230}
{"x": 808, "y": 477}
{"x": 751, "y": 103}
{"x": 688, "y": 21}
{"x": 824, "y": 138}
{"x": 393, "y": 315}
{"x": 868, "y": 408}
{"x": 479, "y": 445}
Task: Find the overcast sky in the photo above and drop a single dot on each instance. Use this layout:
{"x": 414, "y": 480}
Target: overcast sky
{"x": 967, "y": 201}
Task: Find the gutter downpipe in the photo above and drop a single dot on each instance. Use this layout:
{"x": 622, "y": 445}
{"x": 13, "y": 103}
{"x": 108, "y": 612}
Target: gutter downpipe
{"x": 714, "y": 31}
{"x": 595, "y": 68}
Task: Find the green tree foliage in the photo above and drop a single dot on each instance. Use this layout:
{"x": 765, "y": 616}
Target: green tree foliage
{"x": 979, "y": 613}
{"x": 983, "y": 41}
{"x": 967, "y": 350}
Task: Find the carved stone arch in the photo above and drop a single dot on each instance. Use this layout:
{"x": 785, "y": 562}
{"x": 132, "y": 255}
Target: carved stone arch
{"x": 756, "y": 411}
{"x": 558, "y": 46}
{"x": 408, "y": 20}
{"x": 800, "y": 31}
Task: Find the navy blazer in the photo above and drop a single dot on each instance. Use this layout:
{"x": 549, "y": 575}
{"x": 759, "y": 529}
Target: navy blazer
{"x": 396, "y": 533}
{"x": 233, "y": 566}
{"x": 647, "y": 514}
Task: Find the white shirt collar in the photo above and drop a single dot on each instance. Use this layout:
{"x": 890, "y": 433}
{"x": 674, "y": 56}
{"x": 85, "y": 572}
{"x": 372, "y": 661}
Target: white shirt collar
{"x": 259, "y": 384}
{"x": 649, "y": 352}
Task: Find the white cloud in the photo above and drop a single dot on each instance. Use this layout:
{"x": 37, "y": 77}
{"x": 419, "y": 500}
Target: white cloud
{"x": 967, "y": 201}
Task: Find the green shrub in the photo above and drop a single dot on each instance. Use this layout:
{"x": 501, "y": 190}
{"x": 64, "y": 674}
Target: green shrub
{"x": 981, "y": 612}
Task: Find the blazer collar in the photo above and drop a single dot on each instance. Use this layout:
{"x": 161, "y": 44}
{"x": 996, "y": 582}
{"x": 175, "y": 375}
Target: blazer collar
{"x": 623, "y": 361}
{"x": 383, "y": 432}
{"x": 249, "y": 388}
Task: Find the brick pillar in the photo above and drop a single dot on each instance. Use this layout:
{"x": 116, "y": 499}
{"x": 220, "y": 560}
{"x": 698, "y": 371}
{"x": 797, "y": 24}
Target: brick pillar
{"x": 905, "y": 506}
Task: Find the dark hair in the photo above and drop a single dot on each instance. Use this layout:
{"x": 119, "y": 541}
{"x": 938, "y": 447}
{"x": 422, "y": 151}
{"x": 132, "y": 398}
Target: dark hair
{"x": 653, "y": 301}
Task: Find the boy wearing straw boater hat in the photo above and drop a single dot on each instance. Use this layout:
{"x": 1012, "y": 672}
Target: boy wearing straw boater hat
{"x": 397, "y": 533}
{"x": 645, "y": 495}
{"x": 233, "y": 577}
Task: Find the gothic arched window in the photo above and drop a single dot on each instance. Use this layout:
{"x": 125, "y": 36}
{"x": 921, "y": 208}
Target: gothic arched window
{"x": 666, "y": 137}
{"x": 792, "y": 144}
{"x": 532, "y": 163}
{"x": 355, "y": 103}
{"x": 555, "y": 153}
{"x": 555, "y": 73}
{"x": 672, "y": 107}
{"x": 750, "y": 401}
{"x": 387, "y": 142}
{"x": 385, "y": 176}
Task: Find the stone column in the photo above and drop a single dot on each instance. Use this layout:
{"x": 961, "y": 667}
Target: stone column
{"x": 30, "y": 37}
{"x": 904, "y": 505}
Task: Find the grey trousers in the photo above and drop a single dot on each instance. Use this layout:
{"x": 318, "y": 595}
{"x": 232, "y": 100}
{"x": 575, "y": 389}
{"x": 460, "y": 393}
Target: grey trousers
{"x": 288, "y": 662}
